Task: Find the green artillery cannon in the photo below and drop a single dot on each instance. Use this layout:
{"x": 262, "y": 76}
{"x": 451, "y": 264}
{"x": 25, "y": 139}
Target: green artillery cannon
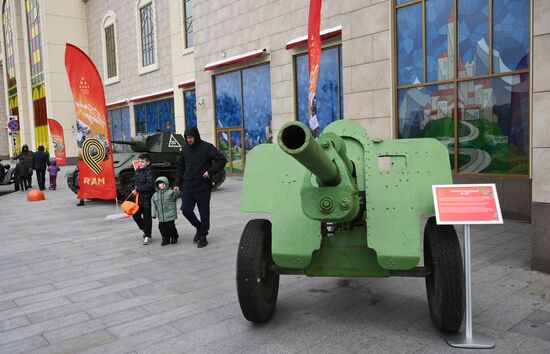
{"x": 346, "y": 205}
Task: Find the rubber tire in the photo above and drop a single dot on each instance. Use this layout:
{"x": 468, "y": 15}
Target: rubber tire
{"x": 445, "y": 283}
{"x": 218, "y": 179}
{"x": 257, "y": 286}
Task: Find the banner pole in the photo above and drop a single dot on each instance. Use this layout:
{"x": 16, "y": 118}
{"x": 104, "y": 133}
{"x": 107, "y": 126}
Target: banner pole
{"x": 469, "y": 339}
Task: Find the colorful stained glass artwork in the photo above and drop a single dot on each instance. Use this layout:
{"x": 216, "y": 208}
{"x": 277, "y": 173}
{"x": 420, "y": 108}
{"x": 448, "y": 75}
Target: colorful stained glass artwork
{"x": 494, "y": 114}
{"x": 35, "y": 43}
{"x": 409, "y": 45}
{"x": 329, "y": 88}
{"x": 428, "y": 112}
{"x": 440, "y": 36}
{"x": 190, "y": 103}
{"x": 257, "y": 106}
{"x": 228, "y": 100}
{"x": 473, "y": 38}
{"x": 9, "y": 47}
{"x": 510, "y": 35}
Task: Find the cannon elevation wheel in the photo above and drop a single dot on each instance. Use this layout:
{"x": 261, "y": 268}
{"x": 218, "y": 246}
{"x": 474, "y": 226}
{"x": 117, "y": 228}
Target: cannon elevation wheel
{"x": 445, "y": 282}
{"x": 257, "y": 284}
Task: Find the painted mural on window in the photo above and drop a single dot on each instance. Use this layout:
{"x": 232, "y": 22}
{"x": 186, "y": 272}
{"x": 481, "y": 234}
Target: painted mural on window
{"x": 9, "y": 48}
{"x": 190, "y": 103}
{"x": 37, "y": 73}
{"x": 157, "y": 116}
{"x": 329, "y": 87}
{"x": 257, "y": 106}
{"x": 243, "y": 113}
{"x": 119, "y": 126}
{"x": 491, "y": 112}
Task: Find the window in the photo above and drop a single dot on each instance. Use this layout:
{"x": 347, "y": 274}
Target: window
{"x": 119, "y": 126}
{"x": 462, "y": 72}
{"x": 110, "y": 62}
{"x": 329, "y": 87}
{"x": 155, "y": 116}
{"x": 190, "y": 103}
{"x": 146, "y": 36}
{"x": 187, "y": 23}
{"x": 243, "y": 113}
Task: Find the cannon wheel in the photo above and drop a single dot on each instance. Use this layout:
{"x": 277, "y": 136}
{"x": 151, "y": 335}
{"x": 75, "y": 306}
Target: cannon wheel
{"x": 445, "y": 282}
{"x": 257, "y": 285}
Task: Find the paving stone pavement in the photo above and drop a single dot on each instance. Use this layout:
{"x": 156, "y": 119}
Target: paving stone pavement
{"x": 73, "y": 282}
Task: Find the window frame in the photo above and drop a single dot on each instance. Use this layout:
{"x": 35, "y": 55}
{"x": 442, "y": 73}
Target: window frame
{"x": 456, "y": 80}
{"x": 340, "y": 79}
{"x": 241, "y": 127}
{"x": 109, "y": 20}
{"x": 185, "y": 35}
{"x": 142, "y": 69}
{"x": 157, "y": 101}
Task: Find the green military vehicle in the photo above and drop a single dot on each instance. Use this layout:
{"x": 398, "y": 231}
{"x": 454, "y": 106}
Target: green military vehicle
{"x": 163, "y": 149}
{"x": 346, "y": 205}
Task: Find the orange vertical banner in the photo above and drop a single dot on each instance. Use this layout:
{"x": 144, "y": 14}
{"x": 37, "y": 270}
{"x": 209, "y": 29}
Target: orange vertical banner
{"x": 95, "y": 159}
{"x": 314, "y": 60}
{"x": 58, "y": 140}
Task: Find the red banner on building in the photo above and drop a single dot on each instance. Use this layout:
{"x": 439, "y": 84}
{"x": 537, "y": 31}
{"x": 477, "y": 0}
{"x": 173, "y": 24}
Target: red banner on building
{"x": 58, "y": 140}
{"x": 96, "y": 177}
{"x": 314, "y": 60}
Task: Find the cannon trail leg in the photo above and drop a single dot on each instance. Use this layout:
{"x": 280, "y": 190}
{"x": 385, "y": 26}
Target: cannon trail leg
{"x": 257, "y": 283}
{"x": 444, "y": 283}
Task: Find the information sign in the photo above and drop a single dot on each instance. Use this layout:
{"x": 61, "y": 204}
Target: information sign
{"x": 466, "y": 204}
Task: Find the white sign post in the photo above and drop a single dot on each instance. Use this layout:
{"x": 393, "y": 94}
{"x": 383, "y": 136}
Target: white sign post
{"x": 467, "y": 204}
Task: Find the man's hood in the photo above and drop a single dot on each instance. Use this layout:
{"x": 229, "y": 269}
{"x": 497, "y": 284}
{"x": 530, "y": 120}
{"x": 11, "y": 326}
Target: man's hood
{"x": 161, "y": 179}
{"x": 193, "y": 132}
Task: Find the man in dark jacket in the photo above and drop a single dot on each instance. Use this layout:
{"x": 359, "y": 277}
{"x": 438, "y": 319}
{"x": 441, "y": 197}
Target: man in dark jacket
{"x": 144, "y": 184}
{"x": 40, "y": 161}
{"x": 197, "y": 163}
{"x": 26, "y": 155}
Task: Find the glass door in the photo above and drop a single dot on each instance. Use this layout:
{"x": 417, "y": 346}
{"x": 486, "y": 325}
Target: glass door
{"x": 230, "y": 144}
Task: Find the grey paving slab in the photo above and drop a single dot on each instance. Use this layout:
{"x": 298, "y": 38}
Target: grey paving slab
{"x": 79, "y": 283}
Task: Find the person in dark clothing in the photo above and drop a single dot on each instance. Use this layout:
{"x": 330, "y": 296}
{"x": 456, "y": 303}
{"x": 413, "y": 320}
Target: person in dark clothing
{"x": 26, "y": 154}
{"x": 41, "y": 160}
{"x": 22, "y": 173}
{"x": 197, "y": 163}
{"x": 144, "y": 184}
{"x": 77, "y": 185}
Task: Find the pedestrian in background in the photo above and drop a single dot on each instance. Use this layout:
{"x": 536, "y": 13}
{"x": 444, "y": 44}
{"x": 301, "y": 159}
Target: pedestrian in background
{"x": 77, "y": 185}
{"x": 197, "y": 163}
{"x": 52, "y": 172}
{"x": 41, "y": 160}
{"x": 26, "y": 154}
{"x": 144, "y": 184}
{"x": 22, "y": 172}
{"x": 163, "y": 205}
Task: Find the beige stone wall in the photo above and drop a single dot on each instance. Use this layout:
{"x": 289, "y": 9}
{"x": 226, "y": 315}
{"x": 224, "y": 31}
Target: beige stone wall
{"x": 541, "y": 102}
{"x": 236, "y": 27}
{"x": 62, "y": 22}
{"x": 131, "y": 83}
{"x": 183, "y": 61}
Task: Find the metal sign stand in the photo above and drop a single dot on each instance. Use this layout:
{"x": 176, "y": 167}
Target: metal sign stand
{"x": 469, "y": 340}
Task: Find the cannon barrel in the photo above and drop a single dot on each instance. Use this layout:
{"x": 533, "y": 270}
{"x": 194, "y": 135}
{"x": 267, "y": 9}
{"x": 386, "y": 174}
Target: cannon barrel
{"x": 296, "y": 140}
{"x": 125, "y": 142}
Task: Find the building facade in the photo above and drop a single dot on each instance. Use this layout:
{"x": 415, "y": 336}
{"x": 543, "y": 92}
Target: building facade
{"x": 468, "y": 73}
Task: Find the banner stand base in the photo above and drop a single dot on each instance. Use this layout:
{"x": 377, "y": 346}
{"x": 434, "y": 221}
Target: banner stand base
{"x": 476, "y": 341}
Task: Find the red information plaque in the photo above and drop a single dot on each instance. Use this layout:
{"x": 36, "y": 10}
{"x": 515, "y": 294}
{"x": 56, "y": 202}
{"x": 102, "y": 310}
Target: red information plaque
{"x": 466, "y": 204}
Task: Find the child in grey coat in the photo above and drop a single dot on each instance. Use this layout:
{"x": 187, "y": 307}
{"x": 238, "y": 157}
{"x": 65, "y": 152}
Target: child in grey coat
{"x": 163, "y": 205}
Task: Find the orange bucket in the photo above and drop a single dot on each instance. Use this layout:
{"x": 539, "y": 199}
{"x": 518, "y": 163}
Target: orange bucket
{"x": 35, "y": 195}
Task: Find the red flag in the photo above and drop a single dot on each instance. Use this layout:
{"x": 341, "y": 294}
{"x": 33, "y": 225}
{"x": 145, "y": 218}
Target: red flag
{"x": 58, "y": 140}
{"x": 96, "y": 176}
{"x": 314, "y": 60}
